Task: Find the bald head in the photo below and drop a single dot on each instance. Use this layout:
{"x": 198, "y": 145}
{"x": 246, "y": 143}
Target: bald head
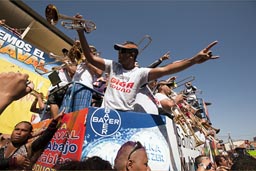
{"x": 128, "y": 153}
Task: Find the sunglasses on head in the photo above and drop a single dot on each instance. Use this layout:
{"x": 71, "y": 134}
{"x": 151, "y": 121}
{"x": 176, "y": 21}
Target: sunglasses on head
{"x": 209, "y": 166}
{"x": 136, "y": 146}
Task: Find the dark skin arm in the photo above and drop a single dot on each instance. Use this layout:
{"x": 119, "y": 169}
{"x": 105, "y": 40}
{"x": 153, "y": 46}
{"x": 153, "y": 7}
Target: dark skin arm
{"x": 13, "y": 87}
{"x": 203, "y": 56}
{"x": 93, "y": 59}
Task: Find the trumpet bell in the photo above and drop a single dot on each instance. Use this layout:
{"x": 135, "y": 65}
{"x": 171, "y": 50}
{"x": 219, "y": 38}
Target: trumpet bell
{"x": 51, "y": 14}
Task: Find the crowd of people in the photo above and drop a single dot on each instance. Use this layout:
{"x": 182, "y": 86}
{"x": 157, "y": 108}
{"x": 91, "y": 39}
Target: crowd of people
{"x": 117, "y": 89}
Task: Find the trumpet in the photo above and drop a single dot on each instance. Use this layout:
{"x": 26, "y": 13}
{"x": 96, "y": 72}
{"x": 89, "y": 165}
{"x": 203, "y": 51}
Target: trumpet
{"x": 34, "y": 93}
{"x": 52, "y": 16}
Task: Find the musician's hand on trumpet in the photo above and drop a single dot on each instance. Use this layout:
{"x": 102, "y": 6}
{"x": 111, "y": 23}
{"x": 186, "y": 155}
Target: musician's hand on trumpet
{"x": 78, "y": 16}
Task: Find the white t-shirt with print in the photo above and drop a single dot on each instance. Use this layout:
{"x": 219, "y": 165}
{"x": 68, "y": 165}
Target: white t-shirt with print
{"x": 123, "y": 85}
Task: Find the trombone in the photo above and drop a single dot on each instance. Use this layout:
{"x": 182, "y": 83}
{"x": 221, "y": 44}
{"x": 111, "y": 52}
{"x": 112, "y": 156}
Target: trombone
{"x": 146, "y": 45}
{"x": 58, "y": 59}
{"x": 179, "y": 118}
{"x": 184, "y": 81}
{"x": 52, "y": 16}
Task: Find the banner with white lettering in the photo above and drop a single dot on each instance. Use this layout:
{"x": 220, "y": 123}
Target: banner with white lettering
{"x": 66, "y": 143}
{"x": 16, "y": 55}
{"x": 107, "y": 130}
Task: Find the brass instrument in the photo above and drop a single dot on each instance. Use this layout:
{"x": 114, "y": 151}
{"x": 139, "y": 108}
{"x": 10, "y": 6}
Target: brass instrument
{"x": 184, "y": 81}
{"x": 209, "y": 127}
{"x": 58, "y": 60}
{"x": 52, "y": 16}
{"x": 179, "y": 118}
{"x": 75, "y": 53}
{"x": 146, "y": 45}
{"x": 202, "y": 126}
{"x": 71, "y": 57}
{"x": 186, "y": 107}
{"x": 34, "y": 92}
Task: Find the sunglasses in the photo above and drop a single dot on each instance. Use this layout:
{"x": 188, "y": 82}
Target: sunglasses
{"x": 125, "y": 50}
{"x": 137, "y": 146}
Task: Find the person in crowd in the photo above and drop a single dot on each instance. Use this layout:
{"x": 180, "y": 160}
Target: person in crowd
{"x": 13, "y": 87}
{"x": 15, "y": 153}
{"x": 91, "y": 163}
{"x": 145, "y": 100}
{"x": 40, "y": 106}
{"x": 164, "y": 91}
{"x": 100, "y": 86}
{"x": 85, "y": 73}
{"x": 58, "y": 91}
{"x": 190, "y": 93}
{"x": 222, "y": 163}
{"x": 203, "y": 163}
{"x": 243, "y": 161}
{"x": 131, "y": 156}
{"x": 125, "y": 79}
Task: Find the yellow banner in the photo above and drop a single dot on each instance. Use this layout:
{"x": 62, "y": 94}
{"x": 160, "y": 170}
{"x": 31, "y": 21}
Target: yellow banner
{"x": 20, "y": 110}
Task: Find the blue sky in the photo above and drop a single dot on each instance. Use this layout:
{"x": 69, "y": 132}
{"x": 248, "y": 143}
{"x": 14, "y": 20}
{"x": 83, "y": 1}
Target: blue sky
{"x": 184, "y": 28}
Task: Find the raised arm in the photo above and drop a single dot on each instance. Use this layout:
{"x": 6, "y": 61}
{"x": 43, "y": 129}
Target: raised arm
{"x": 94, "y": 70}
{"x": 93, "y": 59}
{"x": 202, "y": 56}
{"x": 13, "y": 87}
{"x": 160, "y": 60}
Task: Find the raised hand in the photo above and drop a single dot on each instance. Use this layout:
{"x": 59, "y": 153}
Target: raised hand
{"x": 205, "y": 54}
{"x": 13, "y": 87}
{"x": 165, "y": 56}
{"x": 60, "y": 115}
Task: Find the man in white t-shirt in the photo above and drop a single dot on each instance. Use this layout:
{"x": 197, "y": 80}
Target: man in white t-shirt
{"x": 125, "y": 79}
{"x": 163, "y": 94}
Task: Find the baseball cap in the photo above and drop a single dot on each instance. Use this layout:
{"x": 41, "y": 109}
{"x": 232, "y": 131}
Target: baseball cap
{"x": 169, "y": 83}
{"x": 93, "y": 49}
{"x": 127, "y": 45}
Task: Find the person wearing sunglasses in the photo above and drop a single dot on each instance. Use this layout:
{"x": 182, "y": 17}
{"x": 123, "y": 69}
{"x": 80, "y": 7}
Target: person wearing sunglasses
{"x": 131, "y": 156}
{"x": 203, "y": 163}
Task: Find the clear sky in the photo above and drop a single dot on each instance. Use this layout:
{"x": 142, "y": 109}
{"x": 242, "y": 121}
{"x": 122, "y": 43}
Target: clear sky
{"x": 184, "y": 27}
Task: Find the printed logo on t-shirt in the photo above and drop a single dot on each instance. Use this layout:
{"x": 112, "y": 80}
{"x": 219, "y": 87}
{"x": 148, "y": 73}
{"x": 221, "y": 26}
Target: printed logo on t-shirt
{"x": 120, "y": 85}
